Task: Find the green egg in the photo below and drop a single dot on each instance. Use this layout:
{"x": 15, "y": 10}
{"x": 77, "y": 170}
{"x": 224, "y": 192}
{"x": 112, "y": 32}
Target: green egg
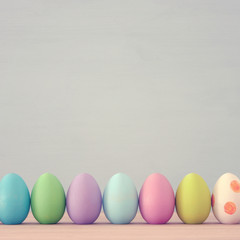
{"x": 48, "y": 199}
{"x": 193, "y": 199}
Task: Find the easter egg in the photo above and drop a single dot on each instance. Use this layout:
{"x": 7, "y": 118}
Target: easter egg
{"x": 156, "y": 199}
{"x": 120, "y": 199}
{"x": 226, "y": 199}
{"x": 48, "y": 199}
{"x": 193, "y": 199}
{"x": 14, "y": 199}
{"x": 84, "y": 199}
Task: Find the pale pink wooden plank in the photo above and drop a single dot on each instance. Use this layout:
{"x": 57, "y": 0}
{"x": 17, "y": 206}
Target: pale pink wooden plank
{"x": 102, "y": 229}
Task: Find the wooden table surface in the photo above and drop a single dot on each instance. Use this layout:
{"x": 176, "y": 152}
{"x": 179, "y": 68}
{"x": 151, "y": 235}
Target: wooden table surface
{"x": 102, "y": 229}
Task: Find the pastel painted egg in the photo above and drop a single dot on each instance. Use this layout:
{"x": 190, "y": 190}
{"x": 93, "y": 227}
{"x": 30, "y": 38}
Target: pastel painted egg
{"x": 14, "y": 199}
{"x": 120, "y": 199}
{"x": 84, "y": 199}
{"x": 226, "y": 199}
{"x": 193, "y": 199}
{"x": 48, "y": 199}
{"x": 156, "y": 199}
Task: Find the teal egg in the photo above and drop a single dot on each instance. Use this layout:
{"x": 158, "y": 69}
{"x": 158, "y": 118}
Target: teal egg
{"x": 14, "y": 199}
{"x": 120, "y": 199}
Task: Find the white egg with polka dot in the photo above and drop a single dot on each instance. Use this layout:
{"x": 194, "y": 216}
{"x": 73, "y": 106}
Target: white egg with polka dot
{"x": 226, "y": 199}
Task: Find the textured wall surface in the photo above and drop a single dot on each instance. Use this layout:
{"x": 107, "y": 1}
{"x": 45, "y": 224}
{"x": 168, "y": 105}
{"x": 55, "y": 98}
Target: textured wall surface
{"x": 108, "y": 86}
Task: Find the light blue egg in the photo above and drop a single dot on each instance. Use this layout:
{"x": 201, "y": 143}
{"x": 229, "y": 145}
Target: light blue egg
{"x": 14, "y": 199}
{"x": 120, "y": 199}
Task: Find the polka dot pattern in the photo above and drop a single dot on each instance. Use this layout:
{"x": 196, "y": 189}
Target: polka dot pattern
{"x": 213, "y": 200}
{"x": 235, "y": 186}
{"x": 230, "y": 208}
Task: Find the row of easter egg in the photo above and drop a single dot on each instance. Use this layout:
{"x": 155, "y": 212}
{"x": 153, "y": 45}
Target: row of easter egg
{"x": 120, "y": 201}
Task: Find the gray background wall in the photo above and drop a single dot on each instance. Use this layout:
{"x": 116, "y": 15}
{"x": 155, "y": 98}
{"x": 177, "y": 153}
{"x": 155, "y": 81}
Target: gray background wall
{"x": 108, "y": 86}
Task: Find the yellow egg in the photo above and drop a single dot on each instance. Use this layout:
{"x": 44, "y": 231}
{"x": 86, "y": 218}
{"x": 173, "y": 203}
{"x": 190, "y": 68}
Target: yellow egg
{"x": 193, "y": 199}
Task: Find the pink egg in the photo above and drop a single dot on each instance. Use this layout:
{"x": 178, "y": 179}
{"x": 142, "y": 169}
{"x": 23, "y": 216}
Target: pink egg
{"x": 156, "y": 199}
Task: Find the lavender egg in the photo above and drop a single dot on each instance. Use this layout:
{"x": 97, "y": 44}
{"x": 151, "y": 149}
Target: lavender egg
{"x": 84, "y": 199}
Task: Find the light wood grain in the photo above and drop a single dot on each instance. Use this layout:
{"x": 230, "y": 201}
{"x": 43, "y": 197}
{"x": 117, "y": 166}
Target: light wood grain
{"x": 102, "y": 229}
